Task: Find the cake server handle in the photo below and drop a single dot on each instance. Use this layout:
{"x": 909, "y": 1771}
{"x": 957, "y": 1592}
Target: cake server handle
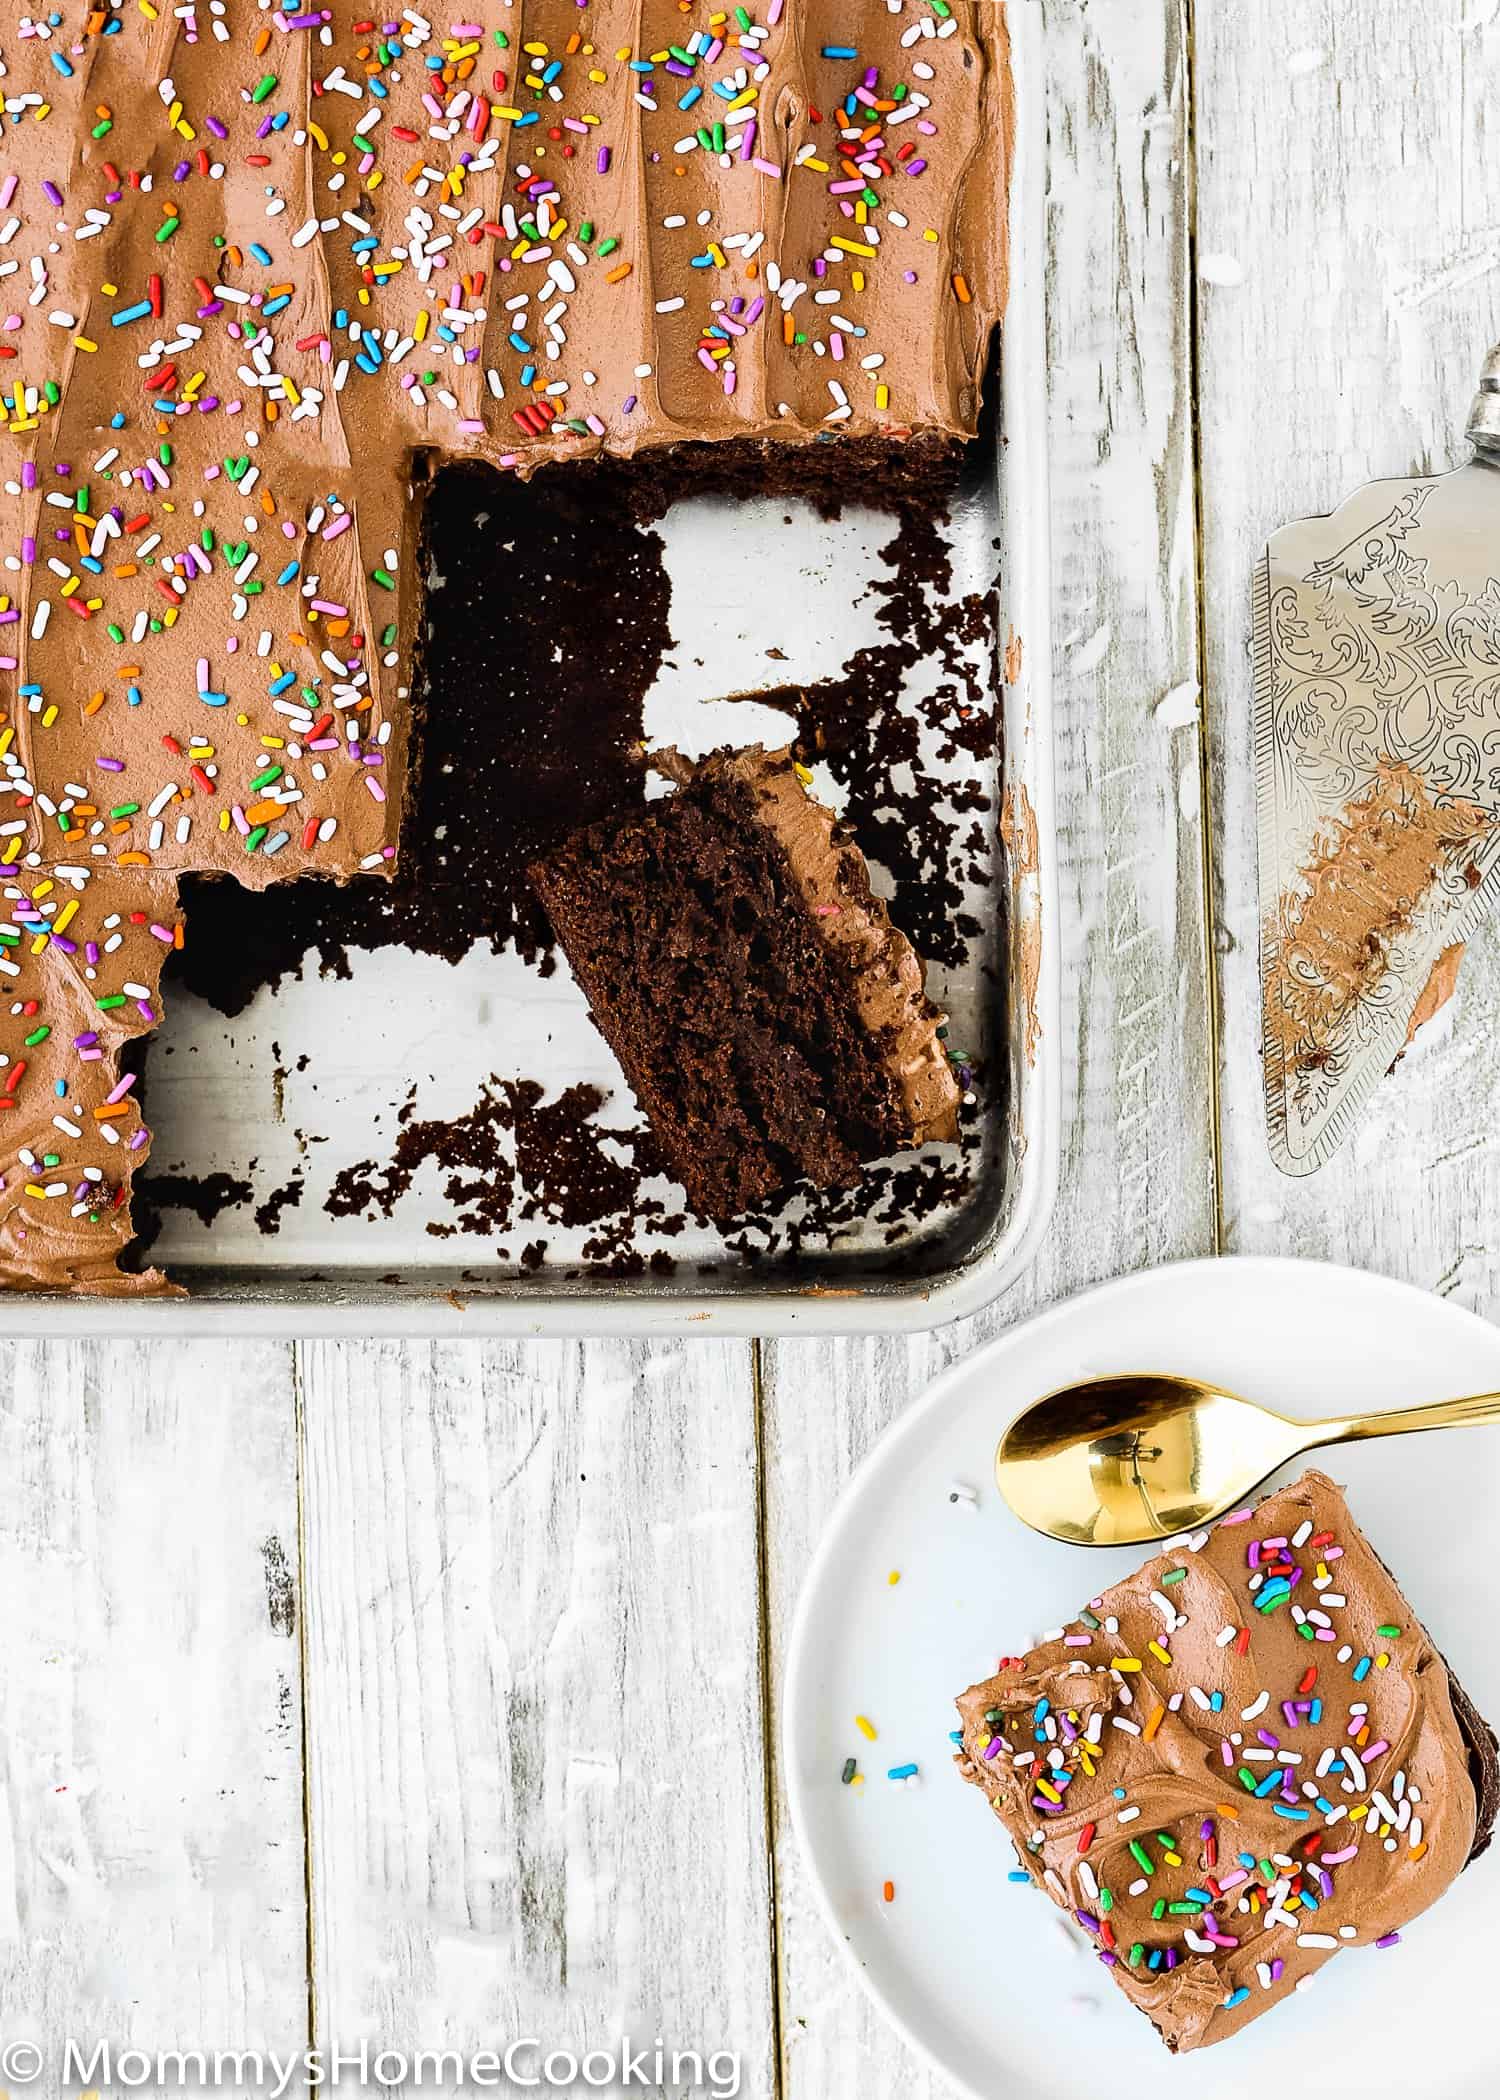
{"x": 1472, "y": 1413}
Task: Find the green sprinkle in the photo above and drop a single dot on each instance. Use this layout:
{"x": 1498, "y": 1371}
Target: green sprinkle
{"x": 388, "y": 636}
{"x": 113, "y": 1000}
{"x": 1173, "y": 1575}
{"x": 167, "y": 228}
{"x": 1185, "y": 1910}
{"x": 126, "y": 809}
{"x": 1389, "y": 1633}
{"x": 1137, "y": 1955}
{"x": 608, "y": 247}
{"x": 1087, "y": 1618}
{"x": 1142, "y": 1857}
{"x": 254, "y": 838}
{"x": 1106, "y": 1901}
{"x": 586, "y": 231}
{"x": 115, "y": 632}
{"x": 265, "y": 778}
{"x": 1159, "y": 1908}
{"x": 37, "y": 1035}
{"x": 266, "y": 85}
{"x": 384, "y": 578}
{"x": 1247, "y": 1780}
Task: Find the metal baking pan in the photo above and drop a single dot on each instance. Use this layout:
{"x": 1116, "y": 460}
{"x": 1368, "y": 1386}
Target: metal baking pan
{"x": 414, "y": 1032}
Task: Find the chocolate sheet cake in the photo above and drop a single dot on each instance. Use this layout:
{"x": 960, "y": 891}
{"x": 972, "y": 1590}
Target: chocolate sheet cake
{"x": 773, "y": 1023}
{"x": 1246, "y": 1759}
{"x": 274, "y": 267}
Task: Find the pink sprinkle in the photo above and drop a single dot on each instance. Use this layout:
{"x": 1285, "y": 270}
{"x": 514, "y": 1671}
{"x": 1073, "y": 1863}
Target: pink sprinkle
{"x": 121, "y": 1090}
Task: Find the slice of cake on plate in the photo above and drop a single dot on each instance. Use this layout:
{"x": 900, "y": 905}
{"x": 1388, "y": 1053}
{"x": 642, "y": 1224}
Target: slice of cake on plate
{"x": 1246, "y": 1759}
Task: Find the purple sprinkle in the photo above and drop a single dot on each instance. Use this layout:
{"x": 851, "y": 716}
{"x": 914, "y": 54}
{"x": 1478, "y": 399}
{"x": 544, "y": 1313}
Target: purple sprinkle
{"x": 53, "y": 192}
{"x": 1391, "y": 1939}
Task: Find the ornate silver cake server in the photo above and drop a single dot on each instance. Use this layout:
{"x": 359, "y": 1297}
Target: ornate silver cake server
{"x": 1377, "y": 750}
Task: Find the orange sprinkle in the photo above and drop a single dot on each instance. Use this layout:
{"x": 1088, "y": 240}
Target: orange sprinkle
{"x": 111, "y": 1111}
{"x": 1148, "y": 1733}
{"x": 93, "y": 704}
{"x": 621, "y": 270}
{"x": 888, "y": 1890}
{"x": 961, "y": 290}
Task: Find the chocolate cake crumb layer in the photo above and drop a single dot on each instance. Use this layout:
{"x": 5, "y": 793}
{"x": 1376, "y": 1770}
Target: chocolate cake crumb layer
{"x": 1244, "y": 1760}
{"x": 771, "y": 1021}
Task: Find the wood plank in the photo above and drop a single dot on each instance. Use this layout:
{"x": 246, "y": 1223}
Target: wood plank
{"x": 151, "y": 1826}
{"x": 534, "y": 1697}
{"x": 1138, "y": 1161}
{"x": 1340, "y": 150}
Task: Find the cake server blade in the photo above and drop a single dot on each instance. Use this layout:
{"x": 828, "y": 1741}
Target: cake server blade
{"x": 1377, "y": 753}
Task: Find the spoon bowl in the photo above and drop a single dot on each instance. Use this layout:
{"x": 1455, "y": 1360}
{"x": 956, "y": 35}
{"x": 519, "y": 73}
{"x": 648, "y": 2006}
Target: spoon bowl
{"x": 1146, "y": 1455}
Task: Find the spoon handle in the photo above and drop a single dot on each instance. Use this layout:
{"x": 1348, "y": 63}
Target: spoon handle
{"x": 1472, "y": 1413}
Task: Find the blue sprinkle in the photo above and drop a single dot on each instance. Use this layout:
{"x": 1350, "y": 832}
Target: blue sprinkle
{"x": 902, "y": 1772}
{"x": 262, "y": 255}
{"x": 1237, "y": 1997}
{"x": 839, "y": 51}
{"x": 1018, "y": 1874}
{"x": 1292, "y": 1815}
{"x": 286, "y": 576}
{"x": 1362, "y": 1669}
{"x": 214, "y": 699}
{"x": 695, "y": 94}
{"x": 133, "y": 695}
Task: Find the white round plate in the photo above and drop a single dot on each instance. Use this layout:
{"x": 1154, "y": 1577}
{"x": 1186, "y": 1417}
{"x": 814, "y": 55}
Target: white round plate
{"x": 983, "y": 1977}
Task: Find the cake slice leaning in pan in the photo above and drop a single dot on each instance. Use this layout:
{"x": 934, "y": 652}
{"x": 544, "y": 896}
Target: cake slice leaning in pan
{"x": 771, "y": 1020}
{"x": 1246, "y": 1759}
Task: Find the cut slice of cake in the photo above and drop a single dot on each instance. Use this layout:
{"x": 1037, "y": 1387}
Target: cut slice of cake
{"x": 771, "y": 1020}
{"x": 1244, "y": 1760}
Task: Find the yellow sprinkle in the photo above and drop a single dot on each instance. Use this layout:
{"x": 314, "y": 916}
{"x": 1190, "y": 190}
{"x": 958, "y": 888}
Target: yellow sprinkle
{"x": 851, "y": 247}
{"x": 223, "y": 820}
{"x": 882, "y": 396}
{"x": 930, "y": 234}
{"x": 865, "y": 1728}
{"x": 50, "y": 716}
{"x": 39, "y": 944}
{"x": 1382, "y": 1662}
{"x": 1125, "y": 1662}
{"x": 318, "y": 136}
{"x": 1048, "y": 1793}
{"x": 894, "y": 1577}
{"x": 12, "y": 848}
{"x": 81, "y": 342}
{"x": 1160, "y": 1652}
{"x": 109, "y": 290}
{"x": 69, "y": 587}
{"x": 32, "y": 1188}
{"x": 819, "y": 166}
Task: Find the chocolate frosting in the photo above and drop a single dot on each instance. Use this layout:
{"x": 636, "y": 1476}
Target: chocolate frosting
{"x": 263, "y": 268}
{"x": 1366, "y": 1830}
{"x": 833, "y": 881}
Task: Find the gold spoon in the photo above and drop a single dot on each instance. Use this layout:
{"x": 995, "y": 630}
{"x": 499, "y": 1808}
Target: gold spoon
{"x": 1114, "y": 1461}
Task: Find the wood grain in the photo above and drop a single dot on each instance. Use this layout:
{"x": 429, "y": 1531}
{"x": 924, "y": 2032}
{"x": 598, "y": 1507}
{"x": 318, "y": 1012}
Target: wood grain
{"x": 1342, "y": 159}
{"x": 537, "y": 1796}
{"x": 151, "y": 1830}
{"x": 1138, "y": 1161}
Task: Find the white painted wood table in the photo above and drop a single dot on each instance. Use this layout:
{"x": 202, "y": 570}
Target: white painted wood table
{"x": 430, "y": 1694}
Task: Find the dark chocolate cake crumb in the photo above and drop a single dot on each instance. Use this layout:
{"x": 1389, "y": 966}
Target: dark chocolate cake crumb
{"x": 515, "y": 1156}
{"x": 205, "y": 1195}
{"x": 268, "y": 1214}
